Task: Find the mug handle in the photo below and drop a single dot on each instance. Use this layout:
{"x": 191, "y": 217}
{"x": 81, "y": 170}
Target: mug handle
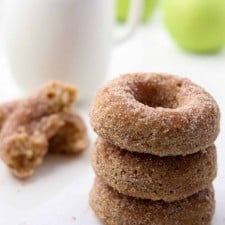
{"x": 134, "y": 17}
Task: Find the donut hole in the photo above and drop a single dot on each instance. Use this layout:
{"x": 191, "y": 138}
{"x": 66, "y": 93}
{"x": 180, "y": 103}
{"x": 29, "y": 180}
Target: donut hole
{"x": 158, "y": 94}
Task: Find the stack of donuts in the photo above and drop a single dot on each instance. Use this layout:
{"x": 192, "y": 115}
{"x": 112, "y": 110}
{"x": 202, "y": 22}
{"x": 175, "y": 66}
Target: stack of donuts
{"x": 155, "y": 157}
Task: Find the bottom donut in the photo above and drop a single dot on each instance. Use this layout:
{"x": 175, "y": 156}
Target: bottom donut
{"x": 113, "y": 208}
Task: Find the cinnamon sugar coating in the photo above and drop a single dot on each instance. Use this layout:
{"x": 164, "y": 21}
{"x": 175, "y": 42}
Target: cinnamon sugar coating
{"x": 25, "y": 134}
{"x": 152, "y": 177}
{"x": 71, "y": 138}
{"x": 159, "y": 114}
{"x": 6, "y": 109}
{"x": 113, "y": 208}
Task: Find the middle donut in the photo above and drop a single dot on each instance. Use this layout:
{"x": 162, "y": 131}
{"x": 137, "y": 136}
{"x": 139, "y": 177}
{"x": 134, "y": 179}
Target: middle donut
{"x": 151, "y": 177}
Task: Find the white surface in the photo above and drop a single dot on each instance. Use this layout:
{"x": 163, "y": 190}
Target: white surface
{"x": 58, "y": 192}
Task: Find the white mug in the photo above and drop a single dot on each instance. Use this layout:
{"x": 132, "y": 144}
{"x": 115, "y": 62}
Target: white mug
{"x": 67, "y": 40}
{"x": 1, "y": 28}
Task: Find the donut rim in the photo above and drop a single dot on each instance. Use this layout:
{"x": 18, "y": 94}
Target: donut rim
{"x": 151, "y": 177}
{"x": 126, "y": 122}
{"x": 113, "y": 208}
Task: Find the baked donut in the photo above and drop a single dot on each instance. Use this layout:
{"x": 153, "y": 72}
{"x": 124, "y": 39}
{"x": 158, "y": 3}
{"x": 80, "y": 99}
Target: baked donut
{"x": 117, "y": 209}
{"x": 71, "y": 138}
{"x": 152, "y": 177}
{"x": 25, "y": 134}
{"x": 155, "y": 113}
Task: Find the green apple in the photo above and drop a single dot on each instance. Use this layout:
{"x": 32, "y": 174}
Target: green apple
{"x": 149, "y": 6}
{"x": 196, "y": 25}
{"x": 122, "y": 9}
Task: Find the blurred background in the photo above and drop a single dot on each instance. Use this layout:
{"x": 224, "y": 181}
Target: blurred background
{"x": 87, "y": 42}
{"x": 58, "y": 39}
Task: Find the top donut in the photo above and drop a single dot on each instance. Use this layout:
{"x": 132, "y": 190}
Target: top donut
{"x": 159, "y": 114}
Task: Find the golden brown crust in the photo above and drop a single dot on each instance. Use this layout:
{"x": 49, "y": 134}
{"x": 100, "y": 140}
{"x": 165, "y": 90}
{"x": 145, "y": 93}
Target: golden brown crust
{"x": 152, "y": 177}
{"x": 28, "y": 129}
{"x": 156, "y": 113}
{"x": 71, "y": 138}
{"x": 116, "y": 209}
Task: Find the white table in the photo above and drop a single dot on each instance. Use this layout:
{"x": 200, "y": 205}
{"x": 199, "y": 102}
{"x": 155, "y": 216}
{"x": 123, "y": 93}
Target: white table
{"x": 58, "y": 192}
